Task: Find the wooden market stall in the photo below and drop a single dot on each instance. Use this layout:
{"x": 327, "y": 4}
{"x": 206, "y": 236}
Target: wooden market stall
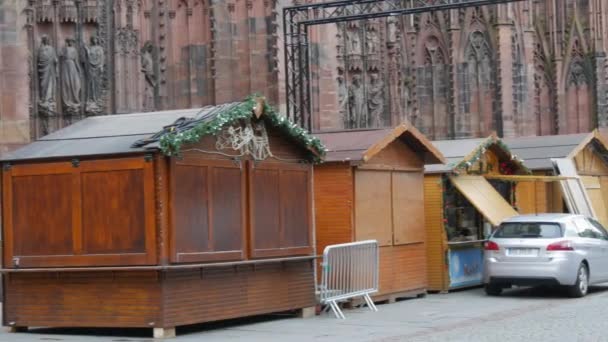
{"x": 589, "y": 151}
{"x": 371, "y": 187}
{"x": 159, "y": 220}
{"x": 462, "y": 204}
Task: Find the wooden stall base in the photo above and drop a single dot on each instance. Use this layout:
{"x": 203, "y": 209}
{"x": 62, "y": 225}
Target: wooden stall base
{"x": 164, "y": 332}
{"x": 390, "y": 298}
{"x": 161, "y": 300}
{"x": 307, "y": 312}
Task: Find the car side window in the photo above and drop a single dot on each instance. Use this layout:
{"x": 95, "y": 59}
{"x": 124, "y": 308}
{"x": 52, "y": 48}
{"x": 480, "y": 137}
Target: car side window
{"x": 601, "y": 231}
{"x": 585, "y": 229}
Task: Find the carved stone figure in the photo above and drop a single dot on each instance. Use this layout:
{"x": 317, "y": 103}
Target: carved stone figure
{"x": 147, "y": 67}
{"x": 354, "y": 42}
{"x": 375, "y": 102}
{"x": 94, "y": 65}
{"x": 70, "y": 78}
{"x": 391, "y": 35}
{"x": 356, "y": 101}
{"x": 371, "y": 42}
{"x": 343, "y": 101}
{"x": 47, "y": 76}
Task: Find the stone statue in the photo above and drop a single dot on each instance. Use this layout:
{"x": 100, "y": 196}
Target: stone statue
{"x": 47, "y": 76}
{"x": 356, "y": 102}
{"x": 354, "y": 42}
{"x": 371, "y": 41}
{"x": 343, "y": 101}
{"x": 375, "y": 102}
{"x": 70, "y": 78}
{"x": 147, "y": 67}
{"x": 94, "y": 62}
{"x": 391, "y": 36}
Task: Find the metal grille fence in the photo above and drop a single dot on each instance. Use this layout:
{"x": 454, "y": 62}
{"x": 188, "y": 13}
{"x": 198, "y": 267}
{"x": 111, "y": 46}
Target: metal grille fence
{"x": 349, "y": 270}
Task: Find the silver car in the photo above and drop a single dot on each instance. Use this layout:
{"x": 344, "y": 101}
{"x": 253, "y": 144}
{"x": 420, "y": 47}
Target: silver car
{"x": 546, "y": 249}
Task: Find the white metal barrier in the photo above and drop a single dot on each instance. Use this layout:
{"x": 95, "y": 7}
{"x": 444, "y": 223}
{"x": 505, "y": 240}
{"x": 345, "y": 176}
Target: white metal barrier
{"x": 349, "y": 270}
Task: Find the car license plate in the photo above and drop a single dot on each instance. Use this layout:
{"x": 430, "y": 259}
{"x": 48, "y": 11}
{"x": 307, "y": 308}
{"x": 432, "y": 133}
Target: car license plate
{"x": 526, "y": 252}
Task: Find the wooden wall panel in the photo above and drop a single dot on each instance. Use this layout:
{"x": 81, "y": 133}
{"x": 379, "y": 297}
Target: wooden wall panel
{"x": 87, "y": 299}
{"x": 589, "y": 163}
{"x": 408, "y": 207}
{"x": 594, "y": 191}
{"x": 526, "y": 197}
{"x": 436, "y": 241}
{"x": 189, "y": 209}
{"x": 295, "y": 211}
{"x": 208, "y": 211}
{"x": 113, "y": 212}
{"x": 96, "y": 212}
{"x": 333, "y": 204}
{"x": 373, "y": 214}
{"x": 42, "y": 214}
{"x": 280, "y": 209}
{"x": 265, "y": 207}
{"x": 403, "y": 268}
{"x": 216, "y": 294}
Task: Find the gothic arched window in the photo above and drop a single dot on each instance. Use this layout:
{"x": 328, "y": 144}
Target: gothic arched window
{"x": 476, "y": 89}
{"x": 432, "y": 91}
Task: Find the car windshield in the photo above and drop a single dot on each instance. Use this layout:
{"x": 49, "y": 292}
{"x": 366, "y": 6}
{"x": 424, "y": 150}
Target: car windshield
{"x": 523, "y": 230}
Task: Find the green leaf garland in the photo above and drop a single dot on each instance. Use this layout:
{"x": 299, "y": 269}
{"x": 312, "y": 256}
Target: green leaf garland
{"x": 171, "y": 143}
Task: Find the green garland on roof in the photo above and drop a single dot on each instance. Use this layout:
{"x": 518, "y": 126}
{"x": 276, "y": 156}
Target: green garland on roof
{"x": 171, "y": 143}
{"x": 481, "y": 149}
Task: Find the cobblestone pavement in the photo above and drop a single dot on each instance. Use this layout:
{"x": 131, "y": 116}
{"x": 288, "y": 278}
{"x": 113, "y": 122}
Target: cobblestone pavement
{"x": 518, "y": 315}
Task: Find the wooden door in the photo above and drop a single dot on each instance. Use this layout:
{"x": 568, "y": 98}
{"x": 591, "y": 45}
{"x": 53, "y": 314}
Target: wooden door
{"x": 373, "y": 206}
{"x": 96, "y": 213}
{"x": 408, "y": 207}
{"x": 208, "y": 210}
{"x": 280, "y": 209}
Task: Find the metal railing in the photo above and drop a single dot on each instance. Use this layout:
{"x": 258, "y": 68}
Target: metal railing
{"x": 349, "y": 270}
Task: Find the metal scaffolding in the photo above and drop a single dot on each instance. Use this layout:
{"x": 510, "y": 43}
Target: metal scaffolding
{"x": 297, "y": 19}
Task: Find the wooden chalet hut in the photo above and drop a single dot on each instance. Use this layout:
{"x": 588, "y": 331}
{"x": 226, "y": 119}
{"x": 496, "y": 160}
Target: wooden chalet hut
{"x": 159, "y": 220}
{"x": 463, "y": 200}
{"x": 589, "y": 151}
{"x": 370, "y": 186}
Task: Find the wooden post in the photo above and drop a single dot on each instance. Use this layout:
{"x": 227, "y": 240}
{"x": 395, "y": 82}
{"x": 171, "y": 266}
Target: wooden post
{"x": 164, "y": 332}
{"x": 16, "y": 329}
{"x": 307, "y": 312}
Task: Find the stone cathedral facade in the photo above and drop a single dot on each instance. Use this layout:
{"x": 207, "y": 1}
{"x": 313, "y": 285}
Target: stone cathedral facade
{"x": 535, "y": 67}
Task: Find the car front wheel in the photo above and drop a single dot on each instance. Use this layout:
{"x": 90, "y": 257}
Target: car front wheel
{"x": 580, "y": 288}
{"x": 493, "y": 290}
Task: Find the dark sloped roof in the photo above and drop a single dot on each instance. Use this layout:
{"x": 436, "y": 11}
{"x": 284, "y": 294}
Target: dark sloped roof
{"x": 454, "y": 151}
{"x": 131, "y": 133}
{"x": 362, "y": 145}
{"x": 350, "y": 145}
{"x": 459, "y": 152}
{"x": 99, "y": 135}
{"x": 537, "y": 151}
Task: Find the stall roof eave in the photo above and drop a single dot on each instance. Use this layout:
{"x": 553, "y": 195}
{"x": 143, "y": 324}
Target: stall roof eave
{"x": 54, "y": 149}
{"x": 357, "y": 146}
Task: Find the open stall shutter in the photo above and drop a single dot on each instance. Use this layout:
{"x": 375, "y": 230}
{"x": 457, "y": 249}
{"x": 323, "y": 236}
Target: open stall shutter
{"x": 574, "y": 191}
{"x": 484, "y": 197}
